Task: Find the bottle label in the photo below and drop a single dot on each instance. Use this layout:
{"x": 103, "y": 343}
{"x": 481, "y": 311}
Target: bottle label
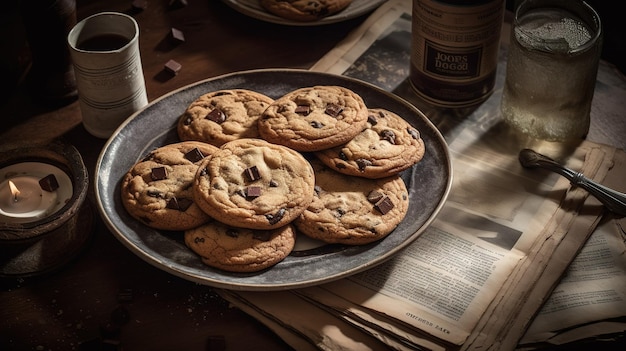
{"x": 454, "y": 50}
{"x": 445, "y": 63}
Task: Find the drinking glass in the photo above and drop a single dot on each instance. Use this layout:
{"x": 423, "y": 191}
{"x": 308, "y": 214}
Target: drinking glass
{"x": 551, "y": 69}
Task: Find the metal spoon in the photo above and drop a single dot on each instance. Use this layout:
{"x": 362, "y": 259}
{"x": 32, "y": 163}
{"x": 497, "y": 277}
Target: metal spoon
{"x": 613, "y": 200}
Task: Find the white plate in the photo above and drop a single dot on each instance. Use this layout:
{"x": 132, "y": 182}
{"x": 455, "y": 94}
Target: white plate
{"x": 253, "y": 8}
{"x": 428, "y": 182}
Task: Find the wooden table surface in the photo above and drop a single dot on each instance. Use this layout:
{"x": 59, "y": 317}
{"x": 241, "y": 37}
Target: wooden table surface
{"x": 106, "y": 284}
{"x": 69, "y": 307}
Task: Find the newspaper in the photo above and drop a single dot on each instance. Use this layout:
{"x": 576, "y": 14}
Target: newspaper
{"x": 476, "y": 278}
{"x": 590, "y": 300}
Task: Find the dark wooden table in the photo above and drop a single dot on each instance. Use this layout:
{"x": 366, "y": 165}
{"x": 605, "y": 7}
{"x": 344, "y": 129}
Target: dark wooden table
{"x": 81, "y": 301}
{"x": 106, "y": 291}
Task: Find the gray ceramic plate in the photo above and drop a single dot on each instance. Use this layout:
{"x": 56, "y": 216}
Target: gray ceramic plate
{"x": 254, "y": 9}
{"x": 429, "y": 183}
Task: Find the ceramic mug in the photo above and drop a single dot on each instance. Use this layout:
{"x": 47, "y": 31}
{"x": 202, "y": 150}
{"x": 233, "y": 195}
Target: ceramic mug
{"x": 105, "y": 54}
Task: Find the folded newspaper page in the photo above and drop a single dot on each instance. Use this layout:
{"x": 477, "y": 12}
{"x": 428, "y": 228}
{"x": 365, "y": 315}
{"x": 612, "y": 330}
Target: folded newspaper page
{"x": 294, "y": 338}
{"x": 303, "y": 324}
{"x": 476, "y": 278}
{"x": 590, "y": 300}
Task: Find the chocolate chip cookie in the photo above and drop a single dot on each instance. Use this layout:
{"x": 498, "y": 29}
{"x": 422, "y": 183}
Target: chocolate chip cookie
{"x": 238, "y": 249}
{"x": 304, "y": 10}
{"x": 314, "y": 118}
{"x": 158, "y": 189}
{"x": 352, "y": 210}
{"x": 222, "y": 116}
{"x": 388, "y": 146}
{"x": 251, "y": 183}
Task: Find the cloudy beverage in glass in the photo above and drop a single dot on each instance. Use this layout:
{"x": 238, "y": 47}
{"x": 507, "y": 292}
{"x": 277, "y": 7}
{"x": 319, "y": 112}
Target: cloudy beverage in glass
{"x": 551, "y": 69}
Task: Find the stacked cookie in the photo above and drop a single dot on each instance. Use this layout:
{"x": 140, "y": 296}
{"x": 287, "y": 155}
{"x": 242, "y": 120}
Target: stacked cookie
{"x": 304, "y": 10}
{"x": 252, "y": 172}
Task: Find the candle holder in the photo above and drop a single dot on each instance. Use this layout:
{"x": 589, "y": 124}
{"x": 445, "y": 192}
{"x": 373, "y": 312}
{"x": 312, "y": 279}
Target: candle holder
{"x": 43, "y": 244}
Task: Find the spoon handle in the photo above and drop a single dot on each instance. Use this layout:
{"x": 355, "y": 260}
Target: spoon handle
{"x": 613, "y": 200}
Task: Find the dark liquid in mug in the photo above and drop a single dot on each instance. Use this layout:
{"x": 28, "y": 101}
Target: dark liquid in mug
{"x": 103, "y": 42}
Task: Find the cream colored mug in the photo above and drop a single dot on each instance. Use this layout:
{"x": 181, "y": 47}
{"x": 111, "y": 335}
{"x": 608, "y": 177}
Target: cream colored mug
{"x": 105, "y": 54}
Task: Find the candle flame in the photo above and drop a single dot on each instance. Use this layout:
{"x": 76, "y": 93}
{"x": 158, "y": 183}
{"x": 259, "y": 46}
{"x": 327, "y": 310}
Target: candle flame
{"x": 14, "y": 190}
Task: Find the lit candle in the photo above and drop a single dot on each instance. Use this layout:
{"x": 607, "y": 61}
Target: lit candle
{"x": 31, "y": 191}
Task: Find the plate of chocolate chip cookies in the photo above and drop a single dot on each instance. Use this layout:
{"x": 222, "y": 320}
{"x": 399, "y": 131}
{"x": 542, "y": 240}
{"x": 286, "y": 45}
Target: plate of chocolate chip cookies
{"x": 272, "y": 179}
{"x": 304, "y": 12}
